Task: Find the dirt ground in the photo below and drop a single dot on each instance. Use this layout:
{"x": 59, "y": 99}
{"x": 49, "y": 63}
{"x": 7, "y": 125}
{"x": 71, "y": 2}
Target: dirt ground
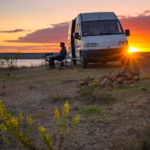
{"x": 123, "y": 124}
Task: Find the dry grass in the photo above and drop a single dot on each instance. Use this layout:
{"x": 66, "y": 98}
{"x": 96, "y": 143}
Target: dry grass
{"x": 38, "y": 92}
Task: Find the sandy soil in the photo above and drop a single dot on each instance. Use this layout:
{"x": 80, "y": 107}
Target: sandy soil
{"x": 124, "y": 123}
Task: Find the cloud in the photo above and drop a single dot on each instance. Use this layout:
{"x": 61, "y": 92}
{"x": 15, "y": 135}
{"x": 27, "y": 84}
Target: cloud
{"x": 57, "y": 33}
{"x": 139, "y": 29}
{"x": 14, "y": 31}
{"x": 146, "y": 11}
{"x": 139, "y": 24}
{"x": 121, "y": 16}
{"x": 29, "y": 49}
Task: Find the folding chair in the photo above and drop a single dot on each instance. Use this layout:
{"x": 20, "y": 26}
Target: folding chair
{"x": 47, "y": 60}
{"x": 64, "y": 61}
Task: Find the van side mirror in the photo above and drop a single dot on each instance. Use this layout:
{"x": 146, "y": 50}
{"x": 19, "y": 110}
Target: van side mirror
{"x": 127, "y": 32}
{"x": 77, "y": 36}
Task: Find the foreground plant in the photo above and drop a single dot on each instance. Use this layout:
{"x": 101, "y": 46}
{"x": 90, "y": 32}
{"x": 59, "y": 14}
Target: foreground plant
{"x": 2, "y": 63}
{"x": 11, "y": 63}
{"x": 12, "y": 125}
{"x": 61, "y": 127}
{"x": 47, "y": 139}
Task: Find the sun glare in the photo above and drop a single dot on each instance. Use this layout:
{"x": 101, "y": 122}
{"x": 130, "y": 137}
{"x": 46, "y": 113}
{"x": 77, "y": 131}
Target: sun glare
{"x": 133, "y": 49}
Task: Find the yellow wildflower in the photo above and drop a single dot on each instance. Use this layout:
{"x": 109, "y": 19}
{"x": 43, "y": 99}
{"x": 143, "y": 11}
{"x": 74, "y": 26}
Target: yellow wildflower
{"x": 42, "y": 129}
{"x": 56, "y": 113}
{"x": 3, "y": 127}
{"x": 47, "y": 136}
{"x": 76, "y": 119}
{"x": 66, "y": 109}
{"x": 20, "y": 133}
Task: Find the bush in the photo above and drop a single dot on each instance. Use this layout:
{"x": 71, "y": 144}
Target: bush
{"x": 87, "y": 91}
{"x": 90, "y": 110}
{"x": 12, "y": 125}
{"x": 11, "y": 63}
{"x": 106, "y": 98}
{"x": 61, "y": 127}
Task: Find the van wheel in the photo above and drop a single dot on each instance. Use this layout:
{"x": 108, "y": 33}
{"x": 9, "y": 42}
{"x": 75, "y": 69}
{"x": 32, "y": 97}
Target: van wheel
{"x": 83, "y": 62}
{"x": 125, "y": 61}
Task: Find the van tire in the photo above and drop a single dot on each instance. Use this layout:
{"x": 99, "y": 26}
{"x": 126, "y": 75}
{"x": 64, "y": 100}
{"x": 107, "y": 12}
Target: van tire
{"x": 125, "y": 61}
{"x": 83, "y": 61}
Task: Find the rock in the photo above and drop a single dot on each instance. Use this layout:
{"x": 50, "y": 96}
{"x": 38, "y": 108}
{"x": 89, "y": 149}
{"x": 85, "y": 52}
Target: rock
{"x": 121, "y": 79}
{"x": 100, "y": 78}
{"x": 112, "y": 78}
{"x": 126, "y": 82}
{"x": 113, "y": 75}
{"x": 88, "y": 79}
{"x": 144, "y": 89}
{"x": 116, "y": 86}
{"x": 121, "y": 73}
{"x": 135, "y": 70}
{"x": 124, "y": 85}
{"x": 81, "y": 83}
{"x": 131, "y": 81}
{"x": 108, "y": 84}
{"x": 103, "y": 82}
{"x": 97, "y": 80}
{"x": 128, "y": 75}
{"x": 125, "y": 69}
{"x": 136, "y": 78}
{"x": 105, "y": 76}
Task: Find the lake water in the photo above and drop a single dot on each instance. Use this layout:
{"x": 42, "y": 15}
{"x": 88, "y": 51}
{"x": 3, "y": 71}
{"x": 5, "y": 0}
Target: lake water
{"x": 31, "y": 62}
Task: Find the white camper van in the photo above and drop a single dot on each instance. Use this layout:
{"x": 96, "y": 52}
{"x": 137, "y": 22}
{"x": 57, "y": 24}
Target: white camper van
{"x": 97, "y": 37}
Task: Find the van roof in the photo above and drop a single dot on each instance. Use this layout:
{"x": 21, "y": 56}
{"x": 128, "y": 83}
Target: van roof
{"x": 98, "y": 16}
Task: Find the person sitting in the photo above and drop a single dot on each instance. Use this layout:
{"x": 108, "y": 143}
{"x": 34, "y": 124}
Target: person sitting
{"x": 58, "y": 57}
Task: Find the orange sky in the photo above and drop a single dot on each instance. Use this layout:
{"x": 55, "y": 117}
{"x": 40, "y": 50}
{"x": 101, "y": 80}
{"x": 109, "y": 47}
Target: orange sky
{"x": 39, "y": 26}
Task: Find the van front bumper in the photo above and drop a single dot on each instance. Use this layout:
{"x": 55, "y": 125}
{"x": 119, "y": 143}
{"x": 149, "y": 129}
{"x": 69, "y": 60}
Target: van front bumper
{"x": 105, "y": 54}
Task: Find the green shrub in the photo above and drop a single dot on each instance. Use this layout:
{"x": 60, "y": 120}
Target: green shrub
{"x": 90, "y": 110}
{"x": 105, "y": 98}
{"x": 11, "y": 63}
{"x": 87, "y": 91}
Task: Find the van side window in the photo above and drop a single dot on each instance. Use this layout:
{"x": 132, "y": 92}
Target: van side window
{"x": 78, "y": 29}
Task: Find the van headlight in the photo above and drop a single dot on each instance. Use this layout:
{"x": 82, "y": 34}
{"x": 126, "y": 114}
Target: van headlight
{"x": 123, "y": 43}
{"x": 91, "y": 45}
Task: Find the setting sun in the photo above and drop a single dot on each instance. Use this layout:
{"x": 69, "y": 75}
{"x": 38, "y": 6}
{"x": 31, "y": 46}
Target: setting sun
{"x": 133, "y": 49}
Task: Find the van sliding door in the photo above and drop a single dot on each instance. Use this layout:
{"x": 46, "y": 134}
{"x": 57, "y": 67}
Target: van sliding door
{"x": 72, "y": 38}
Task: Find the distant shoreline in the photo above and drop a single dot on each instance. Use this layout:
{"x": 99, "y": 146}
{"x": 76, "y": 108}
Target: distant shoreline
{"x": 39, "y": 55}
{"x": 27, "y": 55}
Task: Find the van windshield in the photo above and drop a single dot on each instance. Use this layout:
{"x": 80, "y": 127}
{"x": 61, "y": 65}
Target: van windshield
{"x": 103, "y": 27}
